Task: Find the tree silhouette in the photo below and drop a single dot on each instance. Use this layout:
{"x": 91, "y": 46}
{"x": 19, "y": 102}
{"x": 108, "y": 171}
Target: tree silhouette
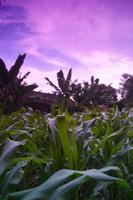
{"x": 93, "y": 94}
{"x": 126, "y": 89}
{"x": 13, "y": 88}
{"x": 63, "y": 90}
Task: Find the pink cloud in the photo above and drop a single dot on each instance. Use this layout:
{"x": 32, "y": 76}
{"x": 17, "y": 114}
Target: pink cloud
{"x": 38, "y": 76}
{"x": 71, "y": 25}
{"x": 67, "y": 26}
{"x": 85, "y": 30}
{"x": 93, "y": 64}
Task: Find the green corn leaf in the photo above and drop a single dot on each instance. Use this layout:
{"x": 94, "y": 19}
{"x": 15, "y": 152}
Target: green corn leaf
{"x": 68, "y": 190}
{"x": 45, "y": 189}
{"x": 7, "y": 154}
{"x": 62, "y": 183}
{"x": 11, "y": 178}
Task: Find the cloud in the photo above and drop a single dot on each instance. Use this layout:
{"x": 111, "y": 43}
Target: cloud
{"x": 108, "y": 67}
{"x": 38, "y": 76}
{"x": 5, "y": 21}
{"x": 67, "y": 25}
{"x": 92, "y": 65}
{"x": 96, "y": 35}
{"x": 71, "y": 26}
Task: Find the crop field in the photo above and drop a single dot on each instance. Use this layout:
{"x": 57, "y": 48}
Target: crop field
{"x": 66, "y": 157}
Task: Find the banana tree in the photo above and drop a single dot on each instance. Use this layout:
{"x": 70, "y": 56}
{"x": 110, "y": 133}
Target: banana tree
{"x": 85, "y": 93}
{"x": 12, "y": 88}
{"x": 93, "y": 94}
{"x": 63, "y": 90}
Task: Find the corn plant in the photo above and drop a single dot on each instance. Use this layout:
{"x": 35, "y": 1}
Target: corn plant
{"x": 10, "y": 176}
{"x": 66, "y": 148}
{"x": 32, "y": 127}
{"x": 64, "y": 185}
{"x": 89, "y": 149}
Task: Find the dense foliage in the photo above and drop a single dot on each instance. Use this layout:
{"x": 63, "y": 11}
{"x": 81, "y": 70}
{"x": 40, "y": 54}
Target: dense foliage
{"x": 61, "y": 156}
{"x": 126, "y": 89}
{"x": 68, "y": 95}
{"x": 82, "y": 156}
{"x": 92, "y": 94}
{"x": 64, "y": 90}
{"x": 84, "y": 95}
{"x": 12, "y": 87}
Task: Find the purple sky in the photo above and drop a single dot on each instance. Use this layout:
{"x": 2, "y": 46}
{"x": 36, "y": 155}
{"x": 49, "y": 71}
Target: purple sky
{"x": 94, "y": 37}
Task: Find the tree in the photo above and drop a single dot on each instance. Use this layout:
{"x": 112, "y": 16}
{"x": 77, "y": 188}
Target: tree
{"x": 63, "y": 90}
{"x": 13, "y": 89}
{"x": 126, "y": 89}
{"x": 84, "y": 94}
{"x": 93, "y": 94}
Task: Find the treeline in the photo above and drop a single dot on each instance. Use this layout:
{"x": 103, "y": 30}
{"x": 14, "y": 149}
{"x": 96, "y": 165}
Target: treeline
{"x": 72, "y": 95}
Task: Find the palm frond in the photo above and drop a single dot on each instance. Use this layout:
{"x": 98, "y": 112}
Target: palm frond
{"x": 68, "y": 79}
{"x": 3, "y": 72}
{"x": 25, "y": 76}
{"x": 14, "y": 71}
{"x": 52, "y": 84}
{"x": 61, "y": 80}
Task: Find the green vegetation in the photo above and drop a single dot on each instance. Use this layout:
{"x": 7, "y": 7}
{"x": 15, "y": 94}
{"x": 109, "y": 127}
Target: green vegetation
{"x": 80, "y": 156}
{"x": 69, "y": 95}
{"x": 64, "y": 90}
{"x": 12, "y": 88}
{"x": 85, "y": 154}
